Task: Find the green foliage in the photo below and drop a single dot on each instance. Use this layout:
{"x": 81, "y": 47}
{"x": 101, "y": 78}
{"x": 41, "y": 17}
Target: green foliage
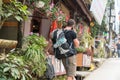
{"x": 80, "y": 49}
{"x": 86, "y": 40}
{"x": 14, "y": 9}
{"x": 94, "y": 30}
{"x": 26, "y": 63}
{"x": 13, "y": 68}
{"x": 98, "y": 29}
{"x": 40, "y": 41}
{"x": 34, "y": 53}
{"x": 48, "y": 9}
{"x": 1, "y": 6}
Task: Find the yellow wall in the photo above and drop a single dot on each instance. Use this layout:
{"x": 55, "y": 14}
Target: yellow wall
{"x": 65, "y": 10}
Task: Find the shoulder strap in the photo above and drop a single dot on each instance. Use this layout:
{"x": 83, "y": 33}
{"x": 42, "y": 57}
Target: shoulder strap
{"x": 54, "y": 36}
{"x": 66, "y": 31}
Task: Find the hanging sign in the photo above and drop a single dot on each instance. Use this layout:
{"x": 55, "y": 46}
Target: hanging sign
{"x": 98, "y": 9}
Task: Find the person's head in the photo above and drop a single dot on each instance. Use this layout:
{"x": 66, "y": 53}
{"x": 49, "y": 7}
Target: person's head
{"x": 71, "y": 23}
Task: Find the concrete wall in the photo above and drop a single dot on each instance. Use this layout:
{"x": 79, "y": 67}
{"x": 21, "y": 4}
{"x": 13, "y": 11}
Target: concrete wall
{"x": 27, "y": 27}
{"x": 45, "y": 27}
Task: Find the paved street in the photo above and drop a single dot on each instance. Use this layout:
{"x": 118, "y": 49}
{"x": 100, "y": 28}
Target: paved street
{"x": 109, "y": 70}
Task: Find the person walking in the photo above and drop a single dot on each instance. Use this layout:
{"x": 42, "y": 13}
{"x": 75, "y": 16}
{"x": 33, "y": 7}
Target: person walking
{"x": 71, "y": 36}
{"x": 70, "y": 62}
{"x": 118, "y": 47}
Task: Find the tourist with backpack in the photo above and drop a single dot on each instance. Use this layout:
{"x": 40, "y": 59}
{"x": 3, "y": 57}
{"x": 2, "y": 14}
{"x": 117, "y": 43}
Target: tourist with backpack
{"x": 70, "y": 62}
{"x": 64, "y": 43}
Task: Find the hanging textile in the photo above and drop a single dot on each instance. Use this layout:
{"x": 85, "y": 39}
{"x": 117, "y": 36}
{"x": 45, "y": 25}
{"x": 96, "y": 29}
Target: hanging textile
{"x": 53, "y": 26}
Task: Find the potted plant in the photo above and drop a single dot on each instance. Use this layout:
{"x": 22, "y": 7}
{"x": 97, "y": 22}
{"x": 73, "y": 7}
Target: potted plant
{"x": 80, "y": 49}
{"x": 86, "y": 41}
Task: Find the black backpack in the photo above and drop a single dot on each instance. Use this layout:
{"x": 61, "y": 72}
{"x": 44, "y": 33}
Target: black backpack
{"x": 63, "y": 50}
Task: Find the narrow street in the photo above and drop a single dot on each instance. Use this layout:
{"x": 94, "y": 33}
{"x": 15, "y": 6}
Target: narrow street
{"x": 109, "y": 70}
{"x": 32, "y": 31}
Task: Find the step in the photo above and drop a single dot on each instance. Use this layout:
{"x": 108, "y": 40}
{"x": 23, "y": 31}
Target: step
{"x": 82, "y": 73}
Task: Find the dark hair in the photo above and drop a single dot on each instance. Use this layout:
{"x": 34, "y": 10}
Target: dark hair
{"x": 70, "y": 22}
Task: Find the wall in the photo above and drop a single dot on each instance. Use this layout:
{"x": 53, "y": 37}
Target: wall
{"x": 45, "y": 27}
{"x": 27, "y": 27}
{"x": 65, "y": 10}
{"x": 9, "y": 30}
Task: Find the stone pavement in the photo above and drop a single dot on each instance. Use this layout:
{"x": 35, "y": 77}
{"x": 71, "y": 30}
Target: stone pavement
{"x": 109, "y": 70}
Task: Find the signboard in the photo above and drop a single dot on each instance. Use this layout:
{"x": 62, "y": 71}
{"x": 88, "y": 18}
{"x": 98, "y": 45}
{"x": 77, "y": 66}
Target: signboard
{"x": 98, "y": 9}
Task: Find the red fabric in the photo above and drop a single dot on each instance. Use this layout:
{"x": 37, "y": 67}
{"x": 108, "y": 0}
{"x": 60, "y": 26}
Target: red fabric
{"x": 53, "y": 26}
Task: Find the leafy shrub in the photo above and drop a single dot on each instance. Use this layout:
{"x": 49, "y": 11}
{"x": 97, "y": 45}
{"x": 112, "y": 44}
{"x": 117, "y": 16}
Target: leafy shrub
{"x": 26, "y": 63}
{"x": 34, "y": 53}
{"x": 13, "y": 68}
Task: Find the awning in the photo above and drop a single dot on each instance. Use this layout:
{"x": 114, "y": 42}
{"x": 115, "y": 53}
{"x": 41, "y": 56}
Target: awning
{"x": 84, "y": 8}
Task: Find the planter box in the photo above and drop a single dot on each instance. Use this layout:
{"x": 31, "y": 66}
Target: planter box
{"x": 86, "y": 60}
{"x": 83, "y": 60}
{"x": 79, "y": 57}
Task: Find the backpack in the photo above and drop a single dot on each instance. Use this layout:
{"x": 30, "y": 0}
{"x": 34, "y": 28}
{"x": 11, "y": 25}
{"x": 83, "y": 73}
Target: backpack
{"x": 62, "y": 49}
{"x": 50, "y": 72}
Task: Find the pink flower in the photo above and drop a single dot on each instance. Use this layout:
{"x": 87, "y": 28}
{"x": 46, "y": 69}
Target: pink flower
{"x": 61, "y": 12}
{"x": 51, "y": 5}
{"x": 31, "y": 33}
